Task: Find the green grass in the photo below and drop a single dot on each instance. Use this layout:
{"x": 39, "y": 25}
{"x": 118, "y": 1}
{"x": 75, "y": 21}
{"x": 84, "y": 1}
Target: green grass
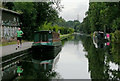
{"x": 10, "y": 43}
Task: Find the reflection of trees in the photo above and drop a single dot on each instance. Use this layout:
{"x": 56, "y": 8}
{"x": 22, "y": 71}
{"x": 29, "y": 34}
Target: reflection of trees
{"x": 66, "y": 39}
{"x": 95, "y": 58}
{"x": 35, "y": 71}
{"x": 99, "y": 62}
{"x": 76, "y": 39}
{"x": 96, "y": 62}
{"x": 115, "y": 52}
{"x": 99, "y": 59}
{"x": 42, "y": 69}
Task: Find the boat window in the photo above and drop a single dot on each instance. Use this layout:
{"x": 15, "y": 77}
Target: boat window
{"x": 40, "y": 37}
{"x": 50, "y": 37}
{"x": 44, "y": 37}
{"x": 36, "y": 37}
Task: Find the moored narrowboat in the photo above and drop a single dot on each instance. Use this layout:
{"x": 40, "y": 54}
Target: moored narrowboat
{"x": 44, "y": 42}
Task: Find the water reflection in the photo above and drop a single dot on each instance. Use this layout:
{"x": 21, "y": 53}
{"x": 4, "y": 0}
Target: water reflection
{"x": 100, "y": 43}
{"x": 103, "y": 63}
{"x": 40, "y": 68}
{"x": 73, "y": 64}
{"x": 67, "y": 39}
{"x": 79, "y": 59}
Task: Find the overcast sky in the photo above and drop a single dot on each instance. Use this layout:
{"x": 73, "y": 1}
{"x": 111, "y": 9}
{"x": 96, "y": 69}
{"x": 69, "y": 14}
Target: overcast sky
{"x": 74, "y": 8}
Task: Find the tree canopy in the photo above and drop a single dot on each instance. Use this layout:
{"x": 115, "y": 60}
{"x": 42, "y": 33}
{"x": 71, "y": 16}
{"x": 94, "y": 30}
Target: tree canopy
{"x": 101, "y": 16}
{"x": 34, "y": 14}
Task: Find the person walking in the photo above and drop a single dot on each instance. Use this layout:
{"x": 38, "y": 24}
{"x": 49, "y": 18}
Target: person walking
{"x": 19, "y": 37}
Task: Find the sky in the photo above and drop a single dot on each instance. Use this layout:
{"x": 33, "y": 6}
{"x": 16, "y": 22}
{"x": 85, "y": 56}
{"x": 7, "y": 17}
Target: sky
{"x": 74, "y": 9}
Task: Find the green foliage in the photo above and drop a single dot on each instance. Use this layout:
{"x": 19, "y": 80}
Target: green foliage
{"x": 116, "y": 36}
{"x": 8, "y": 5}
{"x": 40, "y": 16}
{"x": 115, "y": 52}
{"x": 68, "y": 24}
{"x": 56, "y": 28}
{"x": 112, "y": 37}
{"x": 116, "y": 24}
{"x": 101, "y": 16}
{"x": 34, "y": 15}
{"x": 45, "y": 12}
{"x": 28, "y": 18}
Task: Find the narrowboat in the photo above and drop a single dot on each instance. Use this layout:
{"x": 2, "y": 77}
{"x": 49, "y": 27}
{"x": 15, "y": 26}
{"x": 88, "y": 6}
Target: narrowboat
{"x": 46, "y": 43}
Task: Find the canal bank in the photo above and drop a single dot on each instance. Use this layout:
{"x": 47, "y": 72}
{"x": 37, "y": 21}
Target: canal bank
{"x": 9, "y": 49}
{"x": 62, "y": 37}
{"x": 10, "y": 57}
{"x": 9, "y": 53}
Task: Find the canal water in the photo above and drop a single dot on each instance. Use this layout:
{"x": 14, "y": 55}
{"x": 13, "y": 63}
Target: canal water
{"x": 73, "y": 63}
{"x": 79, "y": 58}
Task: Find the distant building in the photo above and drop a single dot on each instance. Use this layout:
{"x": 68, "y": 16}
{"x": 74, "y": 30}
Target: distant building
{"x": 10, "y": 21}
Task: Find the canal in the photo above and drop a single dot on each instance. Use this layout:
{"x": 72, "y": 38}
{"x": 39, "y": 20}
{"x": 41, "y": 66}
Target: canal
{"x": 79, "y": 58}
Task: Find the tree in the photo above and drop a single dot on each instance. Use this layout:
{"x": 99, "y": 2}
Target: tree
{"x": 34, "y": 15}
{"x": 101, "y": 16}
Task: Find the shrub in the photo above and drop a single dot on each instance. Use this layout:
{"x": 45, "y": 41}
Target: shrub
{"x": 116, "y": 36}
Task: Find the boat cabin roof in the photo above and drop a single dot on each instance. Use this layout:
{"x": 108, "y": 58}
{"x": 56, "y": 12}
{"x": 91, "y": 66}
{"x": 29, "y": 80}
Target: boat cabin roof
{"x": 46, "y": 31}
{"x": 42, "y": 31}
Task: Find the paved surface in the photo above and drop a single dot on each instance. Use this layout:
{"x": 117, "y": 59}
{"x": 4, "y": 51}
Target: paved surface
{"x": 6, "y": 50}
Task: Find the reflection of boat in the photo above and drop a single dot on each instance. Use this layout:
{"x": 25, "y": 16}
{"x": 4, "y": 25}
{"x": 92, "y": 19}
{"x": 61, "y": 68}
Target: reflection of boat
{"x": 46, "y": 54}
{"x": 50, "y": 64}
{"x": 47, "y": 60}
{"x": 100, "y": 44}
{"x": 99, "y": 36}
{"x": 45, "y": 41}
{"x": 99, "y": 39}
{"x": 46, "y": 65}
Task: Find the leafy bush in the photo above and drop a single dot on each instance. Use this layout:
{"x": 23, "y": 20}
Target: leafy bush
{"x": 116, "y": 36}
{"x": 56, "y": 28}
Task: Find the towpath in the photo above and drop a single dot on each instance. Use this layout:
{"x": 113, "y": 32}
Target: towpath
{"x": 9, "y": 49}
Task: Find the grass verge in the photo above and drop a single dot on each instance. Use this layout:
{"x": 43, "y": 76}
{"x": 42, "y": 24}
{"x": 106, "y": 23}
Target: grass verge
{"x": 10, "y": 43}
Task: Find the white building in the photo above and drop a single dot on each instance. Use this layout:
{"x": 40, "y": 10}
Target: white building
{"x": 9, "y": 21}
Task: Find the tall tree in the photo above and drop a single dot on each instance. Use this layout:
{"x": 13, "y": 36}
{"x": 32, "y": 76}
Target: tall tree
{"x": 102, "y": 16}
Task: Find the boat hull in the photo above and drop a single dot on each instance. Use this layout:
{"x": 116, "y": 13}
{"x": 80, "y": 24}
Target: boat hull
{"x": 44, "y": 52}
